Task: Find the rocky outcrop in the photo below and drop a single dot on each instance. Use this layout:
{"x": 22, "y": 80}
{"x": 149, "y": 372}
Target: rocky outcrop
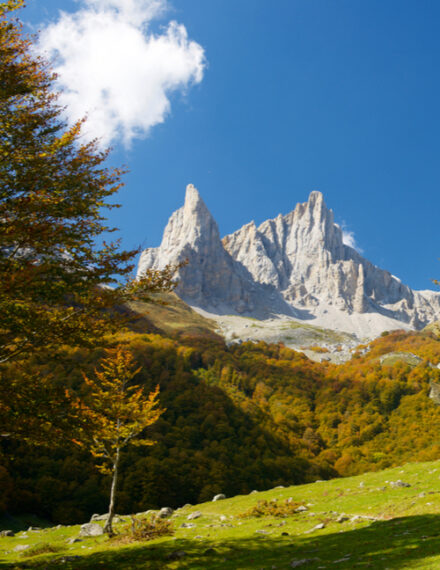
{"x": 296, "y": 264}
{"x": 212, "y": 279}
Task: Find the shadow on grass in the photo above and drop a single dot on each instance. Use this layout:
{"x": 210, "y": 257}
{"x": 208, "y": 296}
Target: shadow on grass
{"x": 394, "y": 544}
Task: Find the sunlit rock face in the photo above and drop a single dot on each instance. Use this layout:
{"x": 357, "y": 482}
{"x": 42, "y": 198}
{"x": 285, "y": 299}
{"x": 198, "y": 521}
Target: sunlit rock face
{"x": 212, "y": 279}
{"x": 294, "y": 264}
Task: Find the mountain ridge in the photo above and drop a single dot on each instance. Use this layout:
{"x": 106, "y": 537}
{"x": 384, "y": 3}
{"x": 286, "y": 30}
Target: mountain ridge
{"x": 293, "y": 266}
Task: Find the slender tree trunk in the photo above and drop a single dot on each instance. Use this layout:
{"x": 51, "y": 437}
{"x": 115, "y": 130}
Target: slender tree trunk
{"x": 108, "y": 528}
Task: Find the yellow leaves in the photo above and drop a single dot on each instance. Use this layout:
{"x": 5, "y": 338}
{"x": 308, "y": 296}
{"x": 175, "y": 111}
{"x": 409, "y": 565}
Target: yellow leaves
{"x": 117, "y": 411}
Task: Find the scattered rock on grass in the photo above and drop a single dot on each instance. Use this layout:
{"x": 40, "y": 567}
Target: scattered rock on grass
{"x": 316, "y": 527}
{"x": 399, "y": 483}
{"x": 194, "y": 515}
{"x": 165, "y": 512}
{"x": 219, "y": 497}
{"x": 116, "y": 518}
{"x": 21, "y": 547}
{"x": 7, "y": 533}
{"x": 187, "y": 525}
{"x": 91, "y": 529}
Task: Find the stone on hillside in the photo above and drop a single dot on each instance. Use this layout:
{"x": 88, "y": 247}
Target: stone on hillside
{"x": 194, "y": 515}
{"x": 342, "y": 518}
{"x": 165, "y": 512}
{"x": 399, "y": 483}
{"x": 34, "y": 528}
{"x": 91, "y": 529}
{"x": 187, "y": 525}
{"x": 21, "y": 547}
{"x": 7, "y": 533}
{"x": 223, "y": 518}
{"x": 73, "y": 540}
{"x": 116, "y": 518}
{"x": 301, "y": 509}
{"x": 319, "y": 526}
{"x": 254, "y": 492}
{"x": 219, "y": 497}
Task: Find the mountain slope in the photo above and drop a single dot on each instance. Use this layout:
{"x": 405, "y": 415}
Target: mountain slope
{"x": 372, "y": 521}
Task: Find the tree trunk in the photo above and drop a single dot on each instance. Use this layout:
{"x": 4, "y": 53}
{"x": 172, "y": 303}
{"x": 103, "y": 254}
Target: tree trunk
{"x": 108, "y": 528}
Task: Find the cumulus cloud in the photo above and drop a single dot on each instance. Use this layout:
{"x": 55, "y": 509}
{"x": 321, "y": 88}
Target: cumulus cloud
{"x": 113, "y": 69}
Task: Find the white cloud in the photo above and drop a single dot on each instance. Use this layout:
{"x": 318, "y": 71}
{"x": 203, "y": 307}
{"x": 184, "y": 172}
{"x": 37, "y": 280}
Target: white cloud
{"x": 114, "y": 70}
{"x": 349, "y": 239}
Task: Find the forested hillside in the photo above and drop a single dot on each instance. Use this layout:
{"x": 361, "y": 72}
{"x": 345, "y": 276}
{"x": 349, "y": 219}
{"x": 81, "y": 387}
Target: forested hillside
{"x": 248, "y": 416}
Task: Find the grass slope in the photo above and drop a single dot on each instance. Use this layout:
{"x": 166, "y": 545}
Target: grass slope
{"x": 172, "y": 317}
{"x": 382, "y": 526}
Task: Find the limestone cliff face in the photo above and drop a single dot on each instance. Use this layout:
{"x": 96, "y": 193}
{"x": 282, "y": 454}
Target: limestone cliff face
{"x": 292, "y": 263}
{"x": 304, "y": 256}
{"x": 211, "y": 279}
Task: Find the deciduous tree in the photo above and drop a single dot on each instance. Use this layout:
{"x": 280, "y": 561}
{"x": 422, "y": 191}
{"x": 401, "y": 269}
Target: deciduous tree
{"x": 118, "y": 413}
{"x": 57, "y": 277}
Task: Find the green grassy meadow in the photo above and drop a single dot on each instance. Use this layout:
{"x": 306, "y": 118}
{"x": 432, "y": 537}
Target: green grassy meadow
{"x": 367, "y": 523}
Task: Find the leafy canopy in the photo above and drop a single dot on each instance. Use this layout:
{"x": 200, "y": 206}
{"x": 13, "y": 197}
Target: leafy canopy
{"x": 57, "y": 276}
{"x": 118, "y": 411}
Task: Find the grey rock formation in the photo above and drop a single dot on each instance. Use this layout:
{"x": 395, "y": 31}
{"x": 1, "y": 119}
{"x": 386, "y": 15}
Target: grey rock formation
{"x": 91, "y": 529}
{"x": 296, "y": 265}
{"x": 212, "y": 279}
{"x": 303, "y": 255}
{"x": 165, "y": 512}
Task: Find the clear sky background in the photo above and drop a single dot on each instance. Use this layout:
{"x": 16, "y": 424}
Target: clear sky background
{"x": 268, "y": 100}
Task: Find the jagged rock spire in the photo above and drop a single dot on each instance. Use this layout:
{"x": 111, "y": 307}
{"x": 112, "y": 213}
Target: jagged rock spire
{"x": 293, "y": 262}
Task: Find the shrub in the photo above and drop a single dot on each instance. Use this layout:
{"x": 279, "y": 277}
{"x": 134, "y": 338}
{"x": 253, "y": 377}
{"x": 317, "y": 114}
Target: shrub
{"x": 272, "y": 508}
{"x": 146, "y": 528}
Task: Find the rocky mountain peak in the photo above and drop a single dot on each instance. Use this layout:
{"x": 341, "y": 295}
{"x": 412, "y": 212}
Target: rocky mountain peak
{"x": 296, "y": 264}
{"x": 194, "y": 205}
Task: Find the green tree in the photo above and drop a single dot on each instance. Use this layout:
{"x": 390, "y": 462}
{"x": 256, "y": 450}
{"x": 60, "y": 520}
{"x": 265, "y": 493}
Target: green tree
{"x": 117, "y": 413}
{"x": 57, "y": 277}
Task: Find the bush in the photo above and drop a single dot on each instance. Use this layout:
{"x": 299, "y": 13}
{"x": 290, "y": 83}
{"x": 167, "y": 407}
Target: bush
{"x": 272, "y": 508}
{"x": 146, "y": 528}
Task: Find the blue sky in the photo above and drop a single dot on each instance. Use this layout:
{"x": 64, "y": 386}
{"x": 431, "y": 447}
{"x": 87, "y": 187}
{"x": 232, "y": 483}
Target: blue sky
{"x": 281, "y": 98}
